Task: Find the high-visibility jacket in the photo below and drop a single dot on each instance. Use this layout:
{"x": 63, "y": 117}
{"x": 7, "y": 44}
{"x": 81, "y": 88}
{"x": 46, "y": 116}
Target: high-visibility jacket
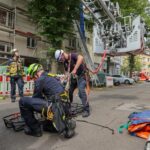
{"x": 15, "y": 68}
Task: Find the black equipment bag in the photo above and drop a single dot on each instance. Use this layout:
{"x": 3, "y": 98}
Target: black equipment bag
{"x": 59, "y": 119}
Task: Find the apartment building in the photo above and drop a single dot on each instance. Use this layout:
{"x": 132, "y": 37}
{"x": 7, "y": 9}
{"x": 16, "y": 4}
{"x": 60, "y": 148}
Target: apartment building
{"x": 18, "y": 31}
{"x": 145, "y": 60}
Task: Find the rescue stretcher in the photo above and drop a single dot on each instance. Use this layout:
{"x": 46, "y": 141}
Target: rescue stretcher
{"x": 16, "y": 122}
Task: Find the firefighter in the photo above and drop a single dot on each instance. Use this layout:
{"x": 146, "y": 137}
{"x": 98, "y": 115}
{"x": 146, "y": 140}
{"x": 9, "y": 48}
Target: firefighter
{"x": 74, "y": 65}
{"x": 15, "y": 71}
{"x": 47, "y": 89}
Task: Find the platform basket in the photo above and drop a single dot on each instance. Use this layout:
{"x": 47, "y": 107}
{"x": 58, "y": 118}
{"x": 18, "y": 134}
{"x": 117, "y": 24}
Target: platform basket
{"x": 14, "y": 121}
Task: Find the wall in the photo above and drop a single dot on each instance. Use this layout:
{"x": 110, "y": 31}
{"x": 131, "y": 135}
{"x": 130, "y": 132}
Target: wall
{"x": 24, "y": 25}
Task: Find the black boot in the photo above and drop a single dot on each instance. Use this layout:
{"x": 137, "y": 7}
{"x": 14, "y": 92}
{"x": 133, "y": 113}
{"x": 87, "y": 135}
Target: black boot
{"x": 13, "y": 100}
{"x": 71, "y": 124}
{"x": 69, "y": 133}
{"x": 70, "y": 128}
{"x": 86, "y": 113}
{"x": 37, "y": 132}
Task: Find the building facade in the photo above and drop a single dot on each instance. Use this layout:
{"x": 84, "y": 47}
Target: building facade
{"x": 18, "y": 31}
{"x": 145, "y": 60}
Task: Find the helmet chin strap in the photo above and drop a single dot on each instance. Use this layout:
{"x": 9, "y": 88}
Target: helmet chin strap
{"x": 16, "y": 57}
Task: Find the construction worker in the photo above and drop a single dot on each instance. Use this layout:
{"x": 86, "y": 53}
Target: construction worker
{"x": 15, "y": 71}
{"x": 45, "y": 100}
{"x": 74, "y": 65}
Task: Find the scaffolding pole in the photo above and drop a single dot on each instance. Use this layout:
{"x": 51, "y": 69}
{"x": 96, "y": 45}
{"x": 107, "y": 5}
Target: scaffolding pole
{"x": 14, "y": 32}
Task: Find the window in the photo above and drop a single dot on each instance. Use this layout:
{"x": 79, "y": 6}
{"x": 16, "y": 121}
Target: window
{"x": 72, "y": 43}
{"x": 2, "y": 47}
{"x": 1, "y": 55}
{"x": 5, "y": 48}
{"x": 3, "y": 16}
{"x": 31, "y": 42}
{"x": 116, "y": 76}
{"x": 6, "y": 18}
{"x": 8, "y": 49}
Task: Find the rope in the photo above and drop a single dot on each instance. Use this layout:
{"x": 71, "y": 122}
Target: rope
{"x": 50, "y": 114}
{"x": 68, "y": 75}
{"x": 112, "y": 130}
{"x": 76, "y": 109}
{"x": 100, "y": 65}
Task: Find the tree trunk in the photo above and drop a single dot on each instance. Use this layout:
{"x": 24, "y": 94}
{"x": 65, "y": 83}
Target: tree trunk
{"x": 54, "y": 66}
{"x": 108, "y": 64}
{"x": 131, "y": 64}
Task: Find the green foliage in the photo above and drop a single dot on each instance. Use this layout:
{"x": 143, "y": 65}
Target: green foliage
{"x": 89, "y": 23}
{"x": 54, "y": 17}
{"x": 51, "y": 51}
{"x": 128, "y": 63}
{"x": 138, "y": 64}
{"x": 125, "y": 66}
{"x": 135, "y": 7}
{"x": 132, "y": 6}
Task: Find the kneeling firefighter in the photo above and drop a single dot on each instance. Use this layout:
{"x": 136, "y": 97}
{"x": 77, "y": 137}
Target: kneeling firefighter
{"x": 48, "y": 100}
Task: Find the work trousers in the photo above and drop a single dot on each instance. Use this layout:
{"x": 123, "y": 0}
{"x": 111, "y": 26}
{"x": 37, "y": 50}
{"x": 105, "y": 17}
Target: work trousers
{"x": 79, "y": 83}
{"x": 20, "y": 83}
{"x": 28, "y": 106}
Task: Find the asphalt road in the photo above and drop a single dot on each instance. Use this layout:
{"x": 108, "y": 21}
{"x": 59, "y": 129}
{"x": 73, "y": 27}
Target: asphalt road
{"x": 109, "y": 107}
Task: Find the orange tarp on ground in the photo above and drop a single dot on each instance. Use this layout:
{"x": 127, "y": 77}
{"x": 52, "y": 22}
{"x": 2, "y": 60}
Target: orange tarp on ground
{"x": 142, "y": 130}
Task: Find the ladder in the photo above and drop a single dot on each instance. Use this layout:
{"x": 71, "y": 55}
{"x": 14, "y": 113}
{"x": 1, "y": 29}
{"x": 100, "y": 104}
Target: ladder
{"x": 90, "y": 5}
{"x": 92, "y": 8}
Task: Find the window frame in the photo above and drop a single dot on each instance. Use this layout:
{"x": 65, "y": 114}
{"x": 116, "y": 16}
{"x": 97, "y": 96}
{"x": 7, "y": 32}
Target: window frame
{"x": 31, "y": 42}
{"x": 8, "y": 18}
{"x": 5, "y": 53}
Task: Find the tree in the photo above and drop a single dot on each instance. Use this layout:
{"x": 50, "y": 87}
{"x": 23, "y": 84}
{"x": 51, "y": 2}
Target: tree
{"x": 54, "y": 18}
{"x": 125, "y": 66}
{"x": 134, "y": 7}
{"x": 131, "y": 60}
{"x": 138, "y": 64}
{"x": 134, "y": 62}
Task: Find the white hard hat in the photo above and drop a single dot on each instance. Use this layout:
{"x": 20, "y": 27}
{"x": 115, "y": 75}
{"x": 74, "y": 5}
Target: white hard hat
{"x": 58, "y": 54}
{"x": 14, "y": 50}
